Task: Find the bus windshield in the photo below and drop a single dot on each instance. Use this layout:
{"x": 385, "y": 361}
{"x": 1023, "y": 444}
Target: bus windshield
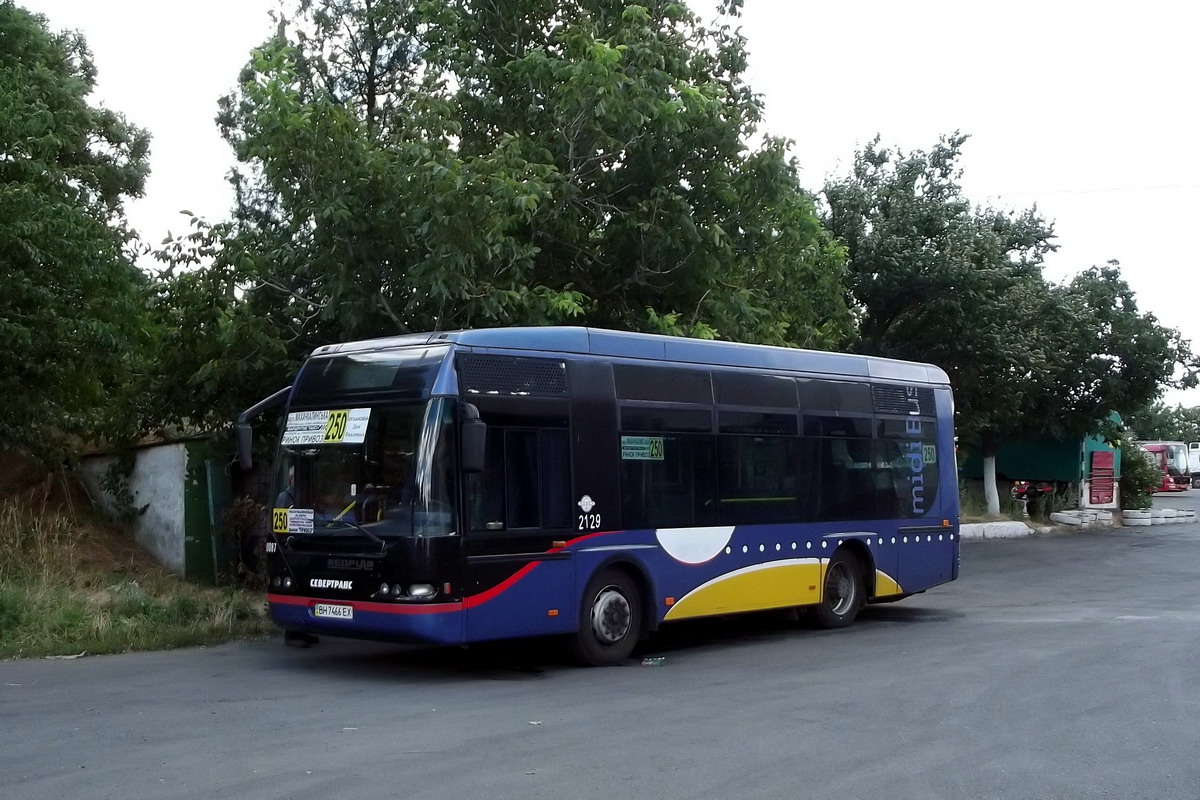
{"x": 386, "y": 468}
{"x": 1177, "y": 458}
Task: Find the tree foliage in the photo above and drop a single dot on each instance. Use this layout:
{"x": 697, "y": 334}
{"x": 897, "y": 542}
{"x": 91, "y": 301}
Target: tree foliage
{"x": 1103, "y": 355}
{"x": 938, "y": 280}
{"x": 71, "y": 311}
{"x": 460, "y": 163}
{"x": 220, "y": 347}
{"x": 1158, "y": 421}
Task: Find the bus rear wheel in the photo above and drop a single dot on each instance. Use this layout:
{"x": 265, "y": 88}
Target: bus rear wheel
{"x": 610, "y": 620}
{"x": 843, "y": 594}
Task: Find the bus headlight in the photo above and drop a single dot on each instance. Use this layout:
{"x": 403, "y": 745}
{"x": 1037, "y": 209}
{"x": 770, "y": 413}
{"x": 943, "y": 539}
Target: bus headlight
{"x": 420, "y": 591}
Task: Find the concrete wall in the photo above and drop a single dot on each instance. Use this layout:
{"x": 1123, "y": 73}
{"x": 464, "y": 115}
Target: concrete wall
{"x": 158, "y": 482}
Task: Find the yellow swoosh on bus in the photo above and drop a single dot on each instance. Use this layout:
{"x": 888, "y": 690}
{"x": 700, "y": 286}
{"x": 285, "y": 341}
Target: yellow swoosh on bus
{"x": 885, "y": 584}
{"x": 777, "y": 584}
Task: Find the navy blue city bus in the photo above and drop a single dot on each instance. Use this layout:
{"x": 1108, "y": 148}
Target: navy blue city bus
{"x": 458, "y": 487}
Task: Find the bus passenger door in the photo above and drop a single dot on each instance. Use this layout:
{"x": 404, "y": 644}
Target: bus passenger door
{"x": 519, "y": 579}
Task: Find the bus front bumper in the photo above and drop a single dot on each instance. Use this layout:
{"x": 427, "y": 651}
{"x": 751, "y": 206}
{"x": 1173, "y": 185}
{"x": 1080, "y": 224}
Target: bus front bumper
{"x": 418, "y": 623}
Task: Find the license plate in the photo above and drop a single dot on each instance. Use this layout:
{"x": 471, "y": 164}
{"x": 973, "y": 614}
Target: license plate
{"x": 331, "y": 610}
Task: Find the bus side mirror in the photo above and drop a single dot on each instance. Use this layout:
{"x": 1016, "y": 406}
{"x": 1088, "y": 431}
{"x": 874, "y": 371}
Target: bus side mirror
{"x": 244, "y": 444}
{"x": 245, "y": 439}
{"x": 474, "y": 438}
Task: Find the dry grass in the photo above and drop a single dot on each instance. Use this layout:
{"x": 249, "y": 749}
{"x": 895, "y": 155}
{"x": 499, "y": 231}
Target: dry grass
{"x": 72, "y": 584}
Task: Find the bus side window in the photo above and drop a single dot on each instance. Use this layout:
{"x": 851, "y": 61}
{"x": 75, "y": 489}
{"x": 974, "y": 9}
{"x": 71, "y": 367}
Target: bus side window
{"x": 520, "y": 479}
{"x": 486, "y": 491}
{"x": 886, "y": 462}
{"x": 757, "y": 479}
{"x": 525, "y": 483}
{"x": 837, "y": 456}
{"x": 847, "y": 482}
{"x": 676, "y": 491}
{"x": 555, "y": 448}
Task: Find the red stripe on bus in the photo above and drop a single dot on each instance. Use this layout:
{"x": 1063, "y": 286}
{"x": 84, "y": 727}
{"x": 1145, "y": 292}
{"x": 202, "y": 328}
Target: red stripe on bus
{"x": 579, "y": 539}
{"x": 481, "y": 598}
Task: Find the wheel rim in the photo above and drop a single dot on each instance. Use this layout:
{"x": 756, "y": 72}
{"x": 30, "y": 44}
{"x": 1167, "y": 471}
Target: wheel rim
{"x": 841, "y": 589}
{"x": 611, "y": 616}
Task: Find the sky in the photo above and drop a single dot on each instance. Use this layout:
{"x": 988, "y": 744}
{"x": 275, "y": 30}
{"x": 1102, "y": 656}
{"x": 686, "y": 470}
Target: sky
{"x": 1085, "y": 109}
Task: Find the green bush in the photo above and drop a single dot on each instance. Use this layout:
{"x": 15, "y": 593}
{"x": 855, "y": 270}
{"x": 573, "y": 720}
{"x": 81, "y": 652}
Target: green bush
{"x": 973, "y": 505}
{"x": 1064, "y": 496}
{"x": 1140, "y": 475}
{"x": 12, "y": 608}
{"x": 130, "y": 600}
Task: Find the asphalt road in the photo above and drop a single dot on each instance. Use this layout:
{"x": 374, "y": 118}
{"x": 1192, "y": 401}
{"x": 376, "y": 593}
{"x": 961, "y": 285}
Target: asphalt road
{"x": 1056, "y": 667}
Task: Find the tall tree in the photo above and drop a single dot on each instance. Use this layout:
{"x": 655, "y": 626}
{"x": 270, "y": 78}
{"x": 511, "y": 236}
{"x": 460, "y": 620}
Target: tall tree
{"x": 453, "y": 163}
{"x": 641, "y": 116}
{"x": 937, "y": 280}
{"x": 1103, "y": 355}
{"x": 71, "y": 310}
{"x": 1160, "y": 421}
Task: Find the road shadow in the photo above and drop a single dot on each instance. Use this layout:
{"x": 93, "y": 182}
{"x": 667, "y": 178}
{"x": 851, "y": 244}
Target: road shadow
{"x": 515, "y": 660}
{"x": 741, "y": 630}
{"x": 524, "y": 660}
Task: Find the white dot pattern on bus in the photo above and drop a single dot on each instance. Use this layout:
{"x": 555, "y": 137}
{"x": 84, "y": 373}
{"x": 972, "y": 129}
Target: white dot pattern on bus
{"x": 779, "y": 546}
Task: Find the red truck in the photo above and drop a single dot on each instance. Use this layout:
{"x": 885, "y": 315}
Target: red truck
{"x": 1172, "y": 458}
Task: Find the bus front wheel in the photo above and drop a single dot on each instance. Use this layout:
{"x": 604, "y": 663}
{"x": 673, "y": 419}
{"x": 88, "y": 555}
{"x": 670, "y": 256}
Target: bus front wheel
{"x": 610, "y": 620}
{"x": 844, "y": 592}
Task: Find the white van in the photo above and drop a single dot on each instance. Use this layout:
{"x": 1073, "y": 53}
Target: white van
{"x": 1194, "y": 462}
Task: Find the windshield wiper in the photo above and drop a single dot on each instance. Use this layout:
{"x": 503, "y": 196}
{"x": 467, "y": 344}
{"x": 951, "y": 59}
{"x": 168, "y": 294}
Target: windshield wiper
{"x": 349, "y": 524}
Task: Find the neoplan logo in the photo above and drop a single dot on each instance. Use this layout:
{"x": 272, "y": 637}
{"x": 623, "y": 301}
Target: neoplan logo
{"x": 350, "y": 563}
